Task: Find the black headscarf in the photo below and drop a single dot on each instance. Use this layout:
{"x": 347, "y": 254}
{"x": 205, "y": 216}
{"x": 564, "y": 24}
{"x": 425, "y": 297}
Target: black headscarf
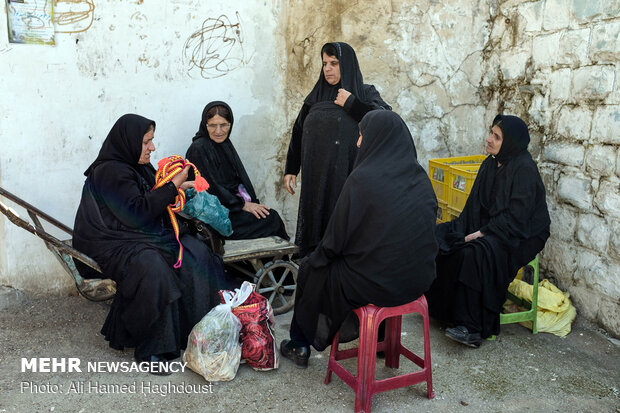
{"x": 350, "y": 77}
{"x": 515, "y": 140}
{"x": 378, "y": 133}
{"x": 516, "y": 137}
{"x": 124, "y": 144}
{"x": 208, "y": 155}
{"x": 379, "y": 246}
{"x": 203, "y": 132}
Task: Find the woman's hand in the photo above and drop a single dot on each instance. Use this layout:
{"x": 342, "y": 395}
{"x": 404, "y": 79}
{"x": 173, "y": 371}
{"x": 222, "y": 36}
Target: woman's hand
{"x": 473, "y": 236}
{"x": 181, "y": 177}
{"x": 187, "y": 184}
{"x": 342, "y": 97}
{"x": 288, "y": 179}
{"x": 258, "y": 210}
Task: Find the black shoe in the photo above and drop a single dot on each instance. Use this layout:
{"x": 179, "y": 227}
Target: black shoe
{"x": 157, "y": 365}
{"x": 462, "y": 335}
{"x": 299, "y": 355}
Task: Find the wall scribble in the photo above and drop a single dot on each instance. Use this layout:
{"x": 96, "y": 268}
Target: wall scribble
{"x": 76, "y": 15}
{"x": 217, "y": 48}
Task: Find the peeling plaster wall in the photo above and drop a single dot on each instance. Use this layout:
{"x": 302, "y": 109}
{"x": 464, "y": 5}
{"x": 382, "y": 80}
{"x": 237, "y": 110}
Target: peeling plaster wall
{"x": 449, "y": 67}
{"x": 58, "y": 103}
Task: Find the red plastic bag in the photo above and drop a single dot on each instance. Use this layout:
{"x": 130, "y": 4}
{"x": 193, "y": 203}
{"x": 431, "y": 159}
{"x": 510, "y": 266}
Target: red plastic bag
{"x": 257, "y": 336}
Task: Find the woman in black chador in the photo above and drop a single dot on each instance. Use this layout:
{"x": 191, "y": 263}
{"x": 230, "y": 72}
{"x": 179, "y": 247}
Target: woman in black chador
{"x": 216, "y": 158}
{"x": 323, "y": 140}
{"x": 504, "y": 224}
{"x": 123, "y": 224}
{"x": 379, "y": 246}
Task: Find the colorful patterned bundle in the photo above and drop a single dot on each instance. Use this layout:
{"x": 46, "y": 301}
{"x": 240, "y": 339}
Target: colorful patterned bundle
{"x": 168, "y": 168}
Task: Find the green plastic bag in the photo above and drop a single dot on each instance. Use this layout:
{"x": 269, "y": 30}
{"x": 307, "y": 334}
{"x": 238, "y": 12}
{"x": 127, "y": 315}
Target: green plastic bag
{"x": 208, "y": 209}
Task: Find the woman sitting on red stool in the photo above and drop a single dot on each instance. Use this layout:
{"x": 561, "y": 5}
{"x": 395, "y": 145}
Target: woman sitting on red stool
{"x": 379, "y": 246}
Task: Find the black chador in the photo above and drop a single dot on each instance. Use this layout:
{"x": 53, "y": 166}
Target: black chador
{"x": 124, "y": 227}
{"x": 221, "y": 166}
{"x": 323, "y": 145}
{"x": 507, "y": 204}
{"x": 379, "y": 246}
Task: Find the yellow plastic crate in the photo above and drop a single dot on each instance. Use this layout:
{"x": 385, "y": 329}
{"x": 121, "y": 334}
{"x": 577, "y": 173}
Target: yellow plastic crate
{"x": 453, "y": 213}
{"x": 442, "y": 211}
{"x": 440, "y": 173}
{"x": 462, "y": 179}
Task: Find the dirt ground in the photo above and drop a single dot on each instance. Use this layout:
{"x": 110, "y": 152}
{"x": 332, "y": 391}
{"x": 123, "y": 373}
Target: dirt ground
{"x": 518, "y": 372}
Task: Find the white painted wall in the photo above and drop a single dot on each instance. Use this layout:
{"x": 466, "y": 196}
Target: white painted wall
{"x": 58, "y": 103}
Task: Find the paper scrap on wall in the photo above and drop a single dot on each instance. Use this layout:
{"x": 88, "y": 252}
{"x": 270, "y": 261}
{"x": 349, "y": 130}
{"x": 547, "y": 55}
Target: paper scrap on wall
{"x": 30, "y": 21}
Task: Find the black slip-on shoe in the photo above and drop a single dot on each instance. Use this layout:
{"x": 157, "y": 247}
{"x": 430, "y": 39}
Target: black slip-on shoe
{"x": 463, "y": 336}
{"x": 299, "y": 355}
{"x": 157, "y": 365}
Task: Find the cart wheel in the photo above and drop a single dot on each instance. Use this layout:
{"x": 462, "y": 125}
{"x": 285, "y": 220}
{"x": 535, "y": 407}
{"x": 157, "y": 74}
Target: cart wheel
{"x": 277, "y": 282}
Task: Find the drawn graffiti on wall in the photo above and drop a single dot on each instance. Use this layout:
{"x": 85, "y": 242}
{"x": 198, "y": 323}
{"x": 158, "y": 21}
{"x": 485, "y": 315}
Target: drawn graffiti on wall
{"x": 216, "y": 49}
{"x": 73, "y": 16}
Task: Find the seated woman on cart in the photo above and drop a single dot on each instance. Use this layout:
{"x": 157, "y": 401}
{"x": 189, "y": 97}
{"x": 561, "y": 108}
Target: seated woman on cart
{"x": 123, "y": 225}
{"x": 504, "y": 224}
{"x": 217, "y": 160}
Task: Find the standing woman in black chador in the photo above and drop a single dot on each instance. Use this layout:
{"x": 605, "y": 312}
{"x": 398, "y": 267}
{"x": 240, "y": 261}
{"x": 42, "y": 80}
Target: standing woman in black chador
{"x": 216, "y": 158}
{"x": 504, "y": 224}
{"x": 123, "y": 225}
{"x": 323, "y": 140}
{"x": 379, "y": 246}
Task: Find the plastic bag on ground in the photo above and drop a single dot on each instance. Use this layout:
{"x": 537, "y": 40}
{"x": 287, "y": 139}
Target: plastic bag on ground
{"x": 258, "y": 340}
{"x": 555, "y": 310}
{"x": 207, "y": 208}
{"x": 213, "y": 348}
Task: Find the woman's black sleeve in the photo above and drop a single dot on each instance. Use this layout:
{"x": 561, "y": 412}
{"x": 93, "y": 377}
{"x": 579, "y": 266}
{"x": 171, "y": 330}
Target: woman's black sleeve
{"x": 122, "y": 192}
{"x": 358, "y": 108}
{"x": 293, "y": 157}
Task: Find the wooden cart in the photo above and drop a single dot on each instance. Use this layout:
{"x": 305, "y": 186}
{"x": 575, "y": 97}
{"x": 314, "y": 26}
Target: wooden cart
{"x": 275, "y": 274}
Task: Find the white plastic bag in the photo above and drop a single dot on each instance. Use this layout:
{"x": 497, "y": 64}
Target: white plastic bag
{"x": 213, "y": 348}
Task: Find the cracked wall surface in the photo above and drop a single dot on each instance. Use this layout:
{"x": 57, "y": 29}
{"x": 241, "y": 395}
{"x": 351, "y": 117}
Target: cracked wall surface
{"x": 449, "y": 67}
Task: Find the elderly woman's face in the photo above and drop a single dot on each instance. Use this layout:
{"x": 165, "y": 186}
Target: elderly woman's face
{"x": 218, "y": 128}
{"x": 494, "y": 140}
{"x": 331, "y": 69}
{"x": 147, "y": 147}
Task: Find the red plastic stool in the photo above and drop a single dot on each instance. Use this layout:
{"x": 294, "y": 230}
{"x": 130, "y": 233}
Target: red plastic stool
{"x": 365, "y": 384}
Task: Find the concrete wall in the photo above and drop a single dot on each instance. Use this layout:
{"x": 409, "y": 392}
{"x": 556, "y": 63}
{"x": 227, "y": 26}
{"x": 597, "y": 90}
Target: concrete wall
{"x": 447, "y": 67}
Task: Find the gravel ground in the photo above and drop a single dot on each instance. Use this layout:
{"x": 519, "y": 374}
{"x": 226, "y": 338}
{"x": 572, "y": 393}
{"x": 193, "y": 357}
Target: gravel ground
{"x": 517, "y": 372}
